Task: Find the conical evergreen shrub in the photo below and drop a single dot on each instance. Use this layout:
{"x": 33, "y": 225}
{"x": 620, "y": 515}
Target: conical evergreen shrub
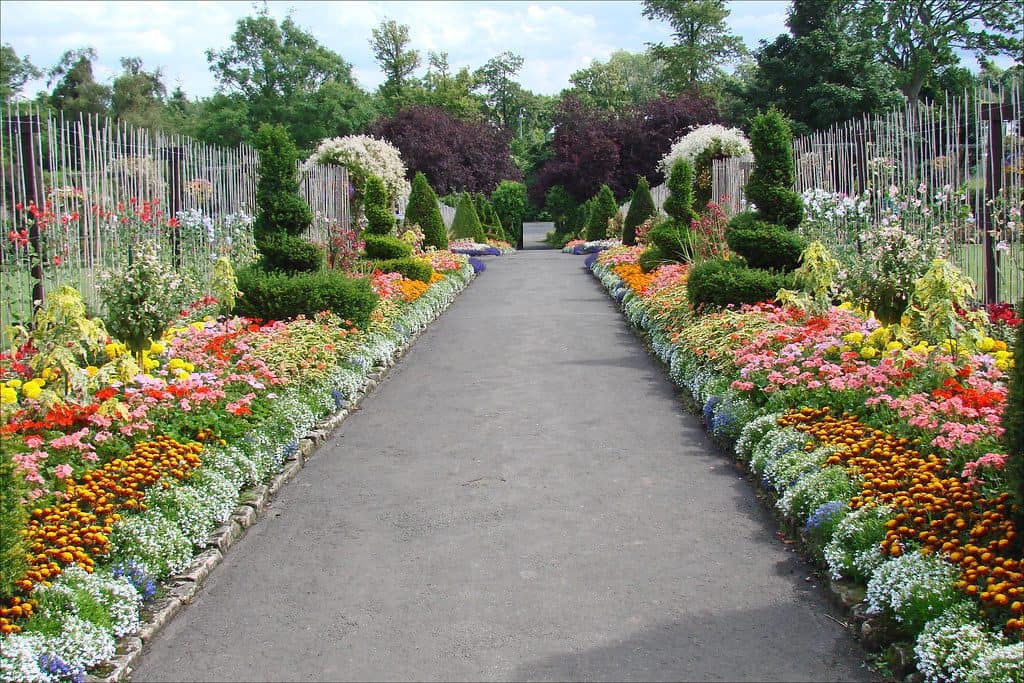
{"x": 466, "y": 224}
{"x": 640, "y": 209}
{"x": 601, "y": 211}
{"x": 422, "y": 209}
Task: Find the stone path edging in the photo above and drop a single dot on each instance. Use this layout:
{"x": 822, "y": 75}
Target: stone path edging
{"x": 183, "y": 586}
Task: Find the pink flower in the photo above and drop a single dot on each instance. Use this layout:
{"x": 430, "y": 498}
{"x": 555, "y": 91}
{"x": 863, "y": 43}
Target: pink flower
{"x": 62, "y": 471}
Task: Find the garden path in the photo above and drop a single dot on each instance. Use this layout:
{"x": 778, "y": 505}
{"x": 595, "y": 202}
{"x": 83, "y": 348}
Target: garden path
{"x": 521, "y": 498}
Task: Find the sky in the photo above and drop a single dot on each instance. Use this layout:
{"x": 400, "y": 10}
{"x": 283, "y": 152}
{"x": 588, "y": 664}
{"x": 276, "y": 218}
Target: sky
{"x": 554, "y": 38}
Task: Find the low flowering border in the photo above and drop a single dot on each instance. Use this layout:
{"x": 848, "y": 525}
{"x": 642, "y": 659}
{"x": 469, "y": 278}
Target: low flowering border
{"x": 580, "y": 247}
{"x": 208, "y": 511}
{"x": 914, "y": 552}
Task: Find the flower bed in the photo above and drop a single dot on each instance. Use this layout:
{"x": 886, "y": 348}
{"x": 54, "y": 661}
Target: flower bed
{"x": 579, "y": 247}
{"x": 470, "y": 248}
{"x": 881, "y": 451}
{"x": 118, "y": 483}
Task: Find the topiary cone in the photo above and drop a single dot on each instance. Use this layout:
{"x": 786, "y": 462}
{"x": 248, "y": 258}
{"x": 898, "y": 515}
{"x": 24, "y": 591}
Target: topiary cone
{"x": 422, "y": 209}
{"x": 640, "y": 209}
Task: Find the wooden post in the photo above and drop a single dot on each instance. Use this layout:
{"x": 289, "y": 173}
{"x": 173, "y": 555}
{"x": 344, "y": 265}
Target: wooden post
{"x": 28, "y": 124}
{"x": 175, "y": 189}
{"x": 993, "y": 114}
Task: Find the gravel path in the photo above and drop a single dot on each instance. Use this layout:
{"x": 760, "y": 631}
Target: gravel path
{"x": 522, "y": 498}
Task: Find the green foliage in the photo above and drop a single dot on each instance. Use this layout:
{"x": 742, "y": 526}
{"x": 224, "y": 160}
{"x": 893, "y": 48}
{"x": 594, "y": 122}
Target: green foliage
{"x": 938, "y": 295}
{"x": 279, "y": 73}
{"x": 641, "y": 207}
{"x": 13, "y": 518}
{"x": 1013, "y": 422}
{"x": 769, "y": 184}
{"x": 815, "y": 277}
{"x": 679, "y": 203}
{"x": 561, "y": 206}
{"x": 278, "y": 296}
{"x": 509, "y": 200}
{"x": 764, "y": 245}
{"x": 673, "y": 239}
{"x": 64, "y": 336}
{"x": 702, "y": 41}
{"x": 386, "y": 247}
{"x": 290, "y": 254}
{"x": 717, "y": 283}
{"x": 379, "y": 219}
{"x": 603, "y": 210}
{"x": 224, "y": 285}
{"x": 466, "y": 224}
{"x": 422, "y": 209}
{"x": 410, "y": 267}
{"x": 580, "y": 218}
{"x": 651, "y": 258}
{"x": 279, "y": 207}
{"x": 143, "y": 296}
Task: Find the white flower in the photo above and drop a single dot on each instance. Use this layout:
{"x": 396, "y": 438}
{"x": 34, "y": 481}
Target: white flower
{"x": 730, "y": 142}
{"x": 363, "y": 155}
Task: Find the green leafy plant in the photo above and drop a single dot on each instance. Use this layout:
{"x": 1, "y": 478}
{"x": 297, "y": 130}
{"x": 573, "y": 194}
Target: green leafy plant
{"x": 938, "y": 294}
{"x": 386, "y": 247}
{"x": 65, "y": 337}
{"x": 279, "y": 206}
{"x": 641, "y": 207}
{"x": 815, "y": 279}
{"x": 379, "y": 219}
{"x": 142, "y": 297}
{"x": 224, "y": 285}
{"x": 602, "y": 210}
{"x": 277, "y": 296}
{"x": 422, "y": 209}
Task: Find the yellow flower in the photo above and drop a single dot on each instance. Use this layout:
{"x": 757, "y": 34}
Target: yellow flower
{"x": 198, "y": 325}
{"x": 920, "y": 347}
{"x": 149, "y": 363}
{"x": 853, "y": 338}
{"x": 950, "y": 345}
{"x": 1000, "y": 345}
{"x": 48, "y": 373}
{"x": 894, "y": 346}
{"x": 92, "y": 370}
{"x": 115, "y": 350}
{"x": 8, "y": 395}
{"x": 32, "y": 389}
{"x": 868, "y": 352}
{"x": 14, "y": 383}
{"x": 156, "y": 348}
{"x": 986, "y": 344}
{"x": 176, "y": 364}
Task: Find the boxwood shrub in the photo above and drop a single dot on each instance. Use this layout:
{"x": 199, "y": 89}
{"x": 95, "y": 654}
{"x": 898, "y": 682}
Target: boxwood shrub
{"x": 410, "y": 268}
{"x": 718, "y": 283}
{"x": 279, "y": 296}
{"x": 383, "y": 247}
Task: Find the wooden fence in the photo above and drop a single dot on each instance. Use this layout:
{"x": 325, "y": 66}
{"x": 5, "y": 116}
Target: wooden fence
{"x": 75, "y": 192}
{"x": 953, "y": 172}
